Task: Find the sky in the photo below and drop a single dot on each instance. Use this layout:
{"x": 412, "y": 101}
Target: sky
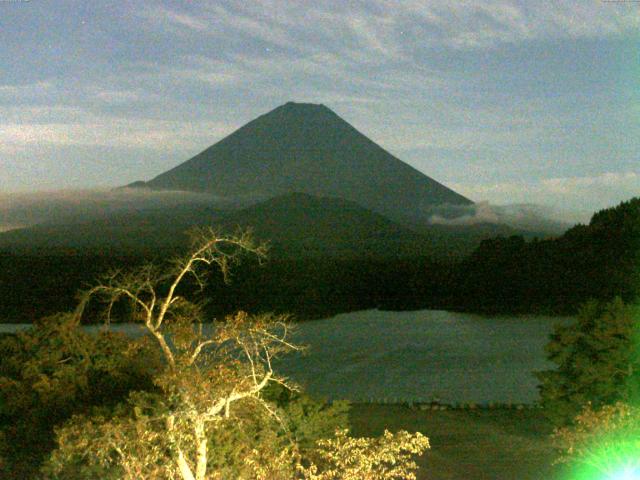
{"x": 503, "y": 101}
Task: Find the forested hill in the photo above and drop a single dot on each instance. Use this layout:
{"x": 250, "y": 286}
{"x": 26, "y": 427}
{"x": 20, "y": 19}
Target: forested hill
{"x": 599, "y": 260}
{"x": 504, "y": 274}
{"x": 298, "y": 225}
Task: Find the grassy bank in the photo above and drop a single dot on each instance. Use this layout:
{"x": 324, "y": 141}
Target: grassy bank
{"x": 497, "y": 444}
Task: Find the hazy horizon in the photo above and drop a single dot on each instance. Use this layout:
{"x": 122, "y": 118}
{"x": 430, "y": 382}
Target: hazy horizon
{"x": 499, "y": 100}
{"x": 19, "y": 210}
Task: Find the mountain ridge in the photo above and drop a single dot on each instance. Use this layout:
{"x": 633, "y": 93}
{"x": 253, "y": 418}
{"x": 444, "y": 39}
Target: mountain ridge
{"x": 308, "y": 148}
{"x": 296, "y": 224}
{"x": 302, "y": 225}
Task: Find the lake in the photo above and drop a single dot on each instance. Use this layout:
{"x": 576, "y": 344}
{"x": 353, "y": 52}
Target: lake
{"x": 417, "y": 356}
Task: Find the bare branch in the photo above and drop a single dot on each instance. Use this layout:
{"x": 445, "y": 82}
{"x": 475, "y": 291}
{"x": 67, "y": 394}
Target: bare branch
{"x": 200, "y": 385}
{"x": 198, "y": 349}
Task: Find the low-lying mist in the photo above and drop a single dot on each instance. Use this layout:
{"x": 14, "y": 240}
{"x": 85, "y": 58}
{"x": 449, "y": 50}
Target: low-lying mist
{"x": 530, "y": 217}
{"x": 73, "y": 206}
{"x": 19, "y": 210}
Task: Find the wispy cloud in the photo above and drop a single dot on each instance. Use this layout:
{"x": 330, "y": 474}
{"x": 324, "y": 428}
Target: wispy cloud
{"x": 115, "y": 96}
{"x": 372, "y": 50}
{"x": 388, "y": 28}
{"x": 585, "y": 193}
{"x": 438, "y": 83}
{"x": 165, "y": 17}
{"x": 87, "y": 129}
{"x": 473, "y": 24}
{"x": 623, "y": 182}
{"x": 531, "y": 217}
{"x": 34, "y": 91}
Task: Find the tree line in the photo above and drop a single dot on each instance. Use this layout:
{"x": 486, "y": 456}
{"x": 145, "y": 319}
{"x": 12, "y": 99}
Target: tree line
{"x": 177, "y": 403}
{"x": 600, "y": 260}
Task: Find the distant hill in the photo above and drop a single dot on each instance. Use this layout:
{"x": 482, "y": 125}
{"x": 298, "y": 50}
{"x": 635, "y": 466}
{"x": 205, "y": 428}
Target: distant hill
{"x": 301, "y": 147}
{"x": 143, "y": 231}
{"x": 300, "y": 225}
{"x": 296, "y": 225}
{"x": 327, "y": 255}
{"x": 595, "y": 261}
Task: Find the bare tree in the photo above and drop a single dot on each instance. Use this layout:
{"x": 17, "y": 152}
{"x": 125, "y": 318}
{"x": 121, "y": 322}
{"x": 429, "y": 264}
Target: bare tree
{"x": 142, "y": 287}
{"x": 208, "y": 380}
{"x": 206, "y": 374}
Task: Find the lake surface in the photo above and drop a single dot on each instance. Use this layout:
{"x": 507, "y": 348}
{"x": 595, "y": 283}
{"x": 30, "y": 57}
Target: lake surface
{"x": 417, "y": 356}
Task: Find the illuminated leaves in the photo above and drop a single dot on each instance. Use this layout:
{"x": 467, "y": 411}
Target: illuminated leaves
{"x": 389, "y": 457}
{"x": 605, "y": 440}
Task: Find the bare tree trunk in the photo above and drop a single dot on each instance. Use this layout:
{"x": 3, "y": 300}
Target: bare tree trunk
{"x": 201, "y": 455}
{"x": 183, "y": 465}
{"x": 166, "y": 350}
{"x": 185, "y": 470}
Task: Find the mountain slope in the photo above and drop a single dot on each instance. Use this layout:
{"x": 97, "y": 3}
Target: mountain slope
{"x": 300, "y": 225}
{"x": 600, "y": 260}
{"x": 297, "y": 225}
{"x": 143, "y": 231}
{"x": 308, "y": 148}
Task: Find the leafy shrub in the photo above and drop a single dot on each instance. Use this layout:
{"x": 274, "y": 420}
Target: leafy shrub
{"x": 131, "y": 441}
{"x": 180, "y": 402}
{"x": 308, "y": 419}
{"x": 602, "y": 443}
{"x": 385, "y": 458}
{"x": 54, "y": 370}
{"x": 597, "y": 361}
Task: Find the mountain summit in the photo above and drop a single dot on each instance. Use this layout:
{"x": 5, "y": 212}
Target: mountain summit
{"x": 303, "y": 147}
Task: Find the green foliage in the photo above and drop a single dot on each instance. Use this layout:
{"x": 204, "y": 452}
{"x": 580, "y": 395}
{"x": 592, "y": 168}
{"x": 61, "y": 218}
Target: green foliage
{"x": 600, "y": 260}
{"x": 601, "y": 443}
{"x": 99, "y": 445}
{"x": 305, "y": 419}
{"x": 299, "y": 422}
{"x": 178, "y": 402}
{"x": 55, "y": 369}
{"x": 93, "y": 446}
{"x": 139, "y": 438}
{"x": 389, "y": 457}
{"x": 596, "y": 359}
{"x": 40, "y": 284}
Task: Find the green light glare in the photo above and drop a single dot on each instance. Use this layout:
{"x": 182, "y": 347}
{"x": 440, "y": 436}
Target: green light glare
{"x": 612, "y": 461}
{"x": 586, "y": 473}
{"x": 626, "y": 473}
